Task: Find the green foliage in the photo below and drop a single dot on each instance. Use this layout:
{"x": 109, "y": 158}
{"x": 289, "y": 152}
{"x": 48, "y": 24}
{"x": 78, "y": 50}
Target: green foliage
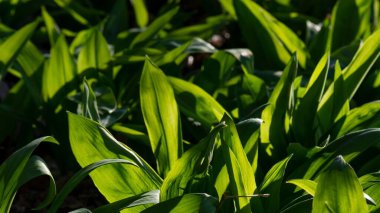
{"x": 212, "y": 106}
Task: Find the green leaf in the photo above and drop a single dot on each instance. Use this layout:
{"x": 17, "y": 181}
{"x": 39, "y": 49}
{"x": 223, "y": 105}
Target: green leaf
{"x": 59, "y": 71}
{"x": 195, "y": 103}
{"x": 188, "y": 203}
{"x": 161, "y": 116}
{"x": 308, "y": 185}
{"x": 306, "y": 111}
{"x": 90, "y": 142}
{"x": 349, "y": 146}
{"x": 12, "y": 169}
{"x": 192, "y": 168}
{"x": 330, "y": 106}
{"x": 132, "y": 133}
{"x": 13, "y": 45}
{"x": 272, "y": 42}
{"x": 347, "y": 28}
{"x": 131, "y": 204}
{"x": 51, "y": 27}
{"x": 273, "y": 131}
{"x": 94, "y": 53}
{"x": 272, "y": 185}
{"x": 363, "y": 117}
{"x": 339, "y": 190}
{"x": 36, "y": 167}
{"x": 78, "y": 177}
{"x": 117, "y": 20}
{"x": 141, "y": 13}
{"x": 153, "y": 28}
{"x": 242, "y": 181}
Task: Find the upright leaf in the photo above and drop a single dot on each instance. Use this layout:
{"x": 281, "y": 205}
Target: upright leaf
{"x": 141, "y": 13}
{"x": 12, "y": 46}
{"x": 51, "y": 27}
{"x": 271, "y": 41}
{"x": 350, "y": 21}
{"x": 161, "y": 116}
{"x": 242, "y": 181}
{"x": 339, "y": 190}
{"x": 59, "y": 71}
{"x": 192, "y": 168}
{"x": 272, "y": 131}
{"x": 90, "y": 143}
{"x": 329, "y": 109}
{"x": 272, "y": 185}
{"x": 153, "y": 28}
{"x": 94, "y": 53}
{"x": 304, "y": 117}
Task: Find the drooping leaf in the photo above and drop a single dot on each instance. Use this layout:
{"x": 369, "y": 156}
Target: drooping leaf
{"x": 339, "y": 190}
{"x": 161, "y": 116}
{"x": 11, "y": 171}
{"x": 272, "y": 132}
{"x": 308, "y": 185}
{"x": 78, "y": 177}
{"x": 91, "y": 142}
{"x": 242, "y": 181}
{"x": 192, "y": 168}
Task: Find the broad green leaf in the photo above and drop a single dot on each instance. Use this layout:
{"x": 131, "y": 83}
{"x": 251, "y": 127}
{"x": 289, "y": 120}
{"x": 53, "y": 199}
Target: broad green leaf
{"x": 132, "y": 133}
{"x": 153, "y": 28}
{"x": 36, "y": 167}
{"x": 339, "y": 190}
{"x": 51, "y": 27}
{"x": 304, "y": 117}
{"x": 331, "y": 104}
{"x": 349, "y": 146}
{"x": 191, "y": 170}
{"x": 272, "y": 132}
{"x": 272, "y": 185}
{"x": 90, "y": 143}
{"x": 242, "y": 180}
{"x": 371, "y": 186}
{"x": 271, "y": 41}
{"x": 131, "y": 204}
{"x": 251, "y": 92}
{"x": 78, "y": 177}
{"x": 187, "y": 203}
{"x": 11, "y": 171}
{"x": 59, "y": 71}
{"x": 308, "y": 185}
{"x": 333, "y": 110}
{"x": 141, "y": 13}
{"x": 94, "y": 53}
{"x": 350, "y": 21}
{"x": 13, "y": 45}
{"x": 161, "y": 116}
{"x": 194, "y": 102}
{"x": 365, "y": 116}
